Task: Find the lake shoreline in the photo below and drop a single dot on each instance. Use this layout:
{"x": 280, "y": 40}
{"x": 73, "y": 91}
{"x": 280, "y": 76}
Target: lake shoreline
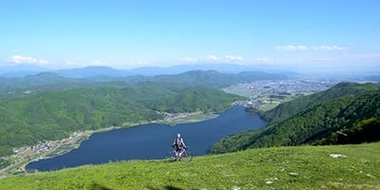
{"x": 74, "y": 141}
{"x": 152, "y": 141}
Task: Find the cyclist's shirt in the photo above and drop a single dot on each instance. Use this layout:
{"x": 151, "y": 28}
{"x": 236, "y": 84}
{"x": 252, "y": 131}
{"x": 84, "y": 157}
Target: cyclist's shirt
{"x": 179, "y": 143}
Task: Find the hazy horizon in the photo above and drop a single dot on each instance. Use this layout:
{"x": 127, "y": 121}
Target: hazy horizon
{"x": 309, "y": 36}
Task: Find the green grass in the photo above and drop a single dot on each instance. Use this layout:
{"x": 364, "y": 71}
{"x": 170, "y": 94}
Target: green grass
{"x": 305, "y": 167}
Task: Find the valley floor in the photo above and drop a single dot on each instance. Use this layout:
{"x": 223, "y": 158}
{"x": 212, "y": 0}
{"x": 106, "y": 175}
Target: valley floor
{"x": 305, "y": 167}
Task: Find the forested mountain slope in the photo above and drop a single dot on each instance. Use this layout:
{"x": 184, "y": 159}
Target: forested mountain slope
{"x": 191, "y": 78}
{"x": 288, "y": 109}
{"x": 346, "y": 113}
{"x": 45, "y": 82}
{"x": 56, "y": 114}
{"x": 213, "y": 78}
{"x": 47, "y": 106}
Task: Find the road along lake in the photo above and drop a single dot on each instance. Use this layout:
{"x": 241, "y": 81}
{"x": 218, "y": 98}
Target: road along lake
{"x": 152, "y": 141}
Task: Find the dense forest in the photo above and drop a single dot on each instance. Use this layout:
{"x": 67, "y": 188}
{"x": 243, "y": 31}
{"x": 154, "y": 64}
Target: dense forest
{"x": 346, "y": 113}
{"x": 47, "y": 106}
{"x": 54, "y": 115}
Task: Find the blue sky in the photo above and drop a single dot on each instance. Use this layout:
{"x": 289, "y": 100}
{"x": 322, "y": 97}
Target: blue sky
{"x": 327, "y": 34}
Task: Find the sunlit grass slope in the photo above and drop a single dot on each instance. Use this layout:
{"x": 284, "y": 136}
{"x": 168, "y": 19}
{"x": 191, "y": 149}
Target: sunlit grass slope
{"x": 305, "y": 167}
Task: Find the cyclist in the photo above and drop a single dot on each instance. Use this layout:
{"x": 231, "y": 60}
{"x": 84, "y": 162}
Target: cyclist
{"x": 179, "y": 146}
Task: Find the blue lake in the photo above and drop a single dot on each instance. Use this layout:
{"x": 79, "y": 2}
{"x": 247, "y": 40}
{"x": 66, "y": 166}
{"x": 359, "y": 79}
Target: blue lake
{"x": 152, "y": 141}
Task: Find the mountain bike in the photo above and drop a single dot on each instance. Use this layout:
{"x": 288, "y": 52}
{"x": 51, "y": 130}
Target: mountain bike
{"x": 181, "y": 155}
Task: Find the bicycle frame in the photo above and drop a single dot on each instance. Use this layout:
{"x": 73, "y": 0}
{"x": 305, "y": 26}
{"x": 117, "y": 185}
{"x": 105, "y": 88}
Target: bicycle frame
{"x": 181, "y": 155}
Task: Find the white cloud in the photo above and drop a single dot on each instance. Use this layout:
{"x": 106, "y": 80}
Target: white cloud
{"x": 30, "y": 60}
{"x": 233, "y": 58}
{"x": 329, "y": 48}
{"x": 212, "y": 57}
{"x": 291, "y": 47}
{"x": 304, "y": 47}
{"x": 294, "y": 60}
{"x": 278, "y": 60}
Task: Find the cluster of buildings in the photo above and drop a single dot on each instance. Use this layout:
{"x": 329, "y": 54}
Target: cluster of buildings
{"x": 26, "y": 153}
{"x": 269, "y": 93}
{"x": 173, "y": 116}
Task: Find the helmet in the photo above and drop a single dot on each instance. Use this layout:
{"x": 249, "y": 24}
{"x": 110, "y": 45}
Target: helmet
{"x": 179, "y": 135}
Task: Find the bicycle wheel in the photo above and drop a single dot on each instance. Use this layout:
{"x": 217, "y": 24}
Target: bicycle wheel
{"x": 170, "y": 156}
{"x": 186, "y": 156}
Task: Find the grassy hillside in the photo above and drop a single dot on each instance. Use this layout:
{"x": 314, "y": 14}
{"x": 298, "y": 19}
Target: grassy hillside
{"x": 346, "y": 113}
{"x": 304, "y": 167}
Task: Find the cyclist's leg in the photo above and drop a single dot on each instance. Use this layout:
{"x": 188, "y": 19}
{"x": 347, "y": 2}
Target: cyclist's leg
{"x": 177, "y": 153}
{"x": 181, "y": 152}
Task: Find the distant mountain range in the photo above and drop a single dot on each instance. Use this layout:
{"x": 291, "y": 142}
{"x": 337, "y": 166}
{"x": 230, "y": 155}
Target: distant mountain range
{"x": 222, "y": 68}
{"x": 109, "y": 73}
{"x": 20, "y": 70}
{"x": 104, "y": 71}
{"x": 49, "y": 81}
